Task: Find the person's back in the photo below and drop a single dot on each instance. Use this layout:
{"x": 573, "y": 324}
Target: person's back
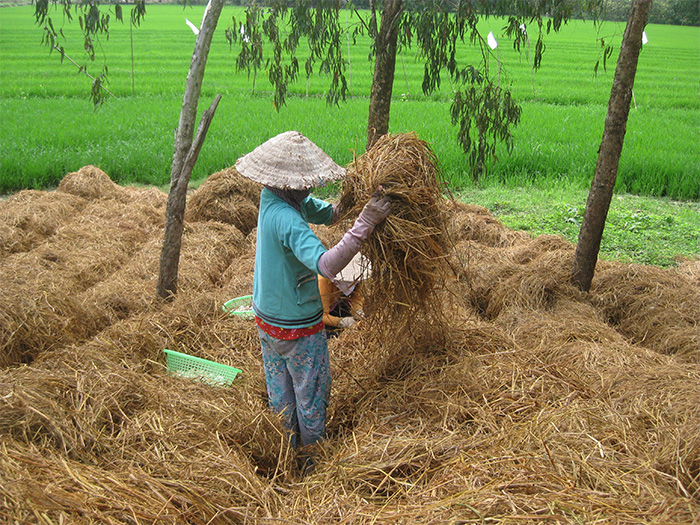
{"x": 285, "y": 290}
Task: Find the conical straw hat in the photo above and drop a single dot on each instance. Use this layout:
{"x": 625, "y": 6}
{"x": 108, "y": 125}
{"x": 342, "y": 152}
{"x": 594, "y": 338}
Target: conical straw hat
{"x": 289, "y": 161}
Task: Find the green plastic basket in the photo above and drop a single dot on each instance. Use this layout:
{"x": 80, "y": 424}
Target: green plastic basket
{"x": 197, "y": 368}
{"x": 240, "y": 306}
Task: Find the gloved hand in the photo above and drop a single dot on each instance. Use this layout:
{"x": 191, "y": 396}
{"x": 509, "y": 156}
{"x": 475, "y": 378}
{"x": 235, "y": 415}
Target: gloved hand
{"x": 377, "y": 208}
{"x": 347, "y": 322}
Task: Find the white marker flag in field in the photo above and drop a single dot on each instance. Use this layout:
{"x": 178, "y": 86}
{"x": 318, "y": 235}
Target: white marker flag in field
{"x": 645, "y": 41}
{"x": 193, "y": 27}
{"x": 493, "y": 45}
{"x": 492, "y": 40}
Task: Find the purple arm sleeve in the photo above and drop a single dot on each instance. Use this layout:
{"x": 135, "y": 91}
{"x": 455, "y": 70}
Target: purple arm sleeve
{"x": 338, "y": 257}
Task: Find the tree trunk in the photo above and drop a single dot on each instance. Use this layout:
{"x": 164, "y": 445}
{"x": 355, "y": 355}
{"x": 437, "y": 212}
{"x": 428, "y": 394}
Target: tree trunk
{"x": 605, "y": 175}
{"x": 384, "y": 65}
{"x": 181, "y": 170}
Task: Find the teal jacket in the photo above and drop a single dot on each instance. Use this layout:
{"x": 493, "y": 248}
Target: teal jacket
{"x": 285, "y": 282}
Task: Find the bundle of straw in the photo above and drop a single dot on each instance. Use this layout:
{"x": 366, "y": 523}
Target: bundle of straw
{"x": 408, "y": 250}
{"x": 656, "y": 307}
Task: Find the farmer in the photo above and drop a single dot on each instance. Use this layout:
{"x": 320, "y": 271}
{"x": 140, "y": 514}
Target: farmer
{"x": 342, "y": 295}
{"x": 288, "y": 258}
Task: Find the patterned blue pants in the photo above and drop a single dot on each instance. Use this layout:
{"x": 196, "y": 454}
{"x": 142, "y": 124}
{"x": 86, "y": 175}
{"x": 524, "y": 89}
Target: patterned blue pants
{"x": 298, "y": 379}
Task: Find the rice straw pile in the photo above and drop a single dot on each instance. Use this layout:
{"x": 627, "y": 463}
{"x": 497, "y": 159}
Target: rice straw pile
{"x": 408, "y": 250}
{"x": 226, "y": 197}
{"x": 534, "y": 403}
{"x": 30, "y": 217}
{"x": 660, "y": 311}
{"x": 85, "y": 240}
{"x": 91, "y": 182}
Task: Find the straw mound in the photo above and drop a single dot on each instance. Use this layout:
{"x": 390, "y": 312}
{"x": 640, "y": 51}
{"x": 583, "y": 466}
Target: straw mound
{"x": 37, "y": 315}
{"x": 227, "y": 197}
{"x": 501, "y": 430}
{"x": 237, "y": 279}
{"x": 207, "y": 251}
{"x": 30, "y": 217}
{"x": 466, "y": 222}
{"x": 40, "y": 300}
{"x": 150, "y": 200}
{"x": 660, "y": 310}
{"x": 529, "y": 274}
{"x": 528, "y": 402}
{"x": 90, "y": 182}
{"x": 129, "y": 445}
{"x": 691, "y": 269}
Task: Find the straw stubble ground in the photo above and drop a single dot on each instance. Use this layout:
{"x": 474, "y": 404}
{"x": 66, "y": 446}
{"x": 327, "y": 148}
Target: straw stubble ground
{"x": 515, "y": 399}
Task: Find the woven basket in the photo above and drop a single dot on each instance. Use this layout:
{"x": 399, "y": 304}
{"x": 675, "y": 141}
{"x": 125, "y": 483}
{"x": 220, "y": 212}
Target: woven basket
{"x": 197, "y": 368}
{"x": 240, "y": 306}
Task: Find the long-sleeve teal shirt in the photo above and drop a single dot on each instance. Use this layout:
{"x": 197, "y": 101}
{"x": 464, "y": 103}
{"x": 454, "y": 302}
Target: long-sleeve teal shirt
{"x": 285, "y": 282}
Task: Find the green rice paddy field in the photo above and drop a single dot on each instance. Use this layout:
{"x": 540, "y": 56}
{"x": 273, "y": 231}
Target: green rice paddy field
{"x": 49, "y": 126}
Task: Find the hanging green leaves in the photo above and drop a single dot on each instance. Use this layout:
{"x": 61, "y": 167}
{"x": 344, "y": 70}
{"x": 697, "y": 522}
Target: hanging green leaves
{"x": 281, "y": 28}
{"x": 484, "y": 114}
{"x": 94, "y": 23}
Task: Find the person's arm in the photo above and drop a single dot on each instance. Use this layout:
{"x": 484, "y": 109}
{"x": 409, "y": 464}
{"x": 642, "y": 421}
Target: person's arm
{"x": 329, "y": 295}
{"x": 338, "y": 257}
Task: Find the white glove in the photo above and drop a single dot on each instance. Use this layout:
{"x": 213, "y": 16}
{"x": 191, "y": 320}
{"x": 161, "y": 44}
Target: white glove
{"x": 347, "y": 322}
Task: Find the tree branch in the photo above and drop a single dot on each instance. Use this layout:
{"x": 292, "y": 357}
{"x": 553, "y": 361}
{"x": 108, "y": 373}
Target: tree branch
{"x": 82, "y": 69}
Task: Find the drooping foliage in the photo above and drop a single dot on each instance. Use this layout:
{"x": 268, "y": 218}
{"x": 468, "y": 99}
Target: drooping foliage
{"x": 482, "y": 109}
{"x": 283, "y": 28}
{"x": 286, "y": 39}
{"x": 94, "y": 23}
